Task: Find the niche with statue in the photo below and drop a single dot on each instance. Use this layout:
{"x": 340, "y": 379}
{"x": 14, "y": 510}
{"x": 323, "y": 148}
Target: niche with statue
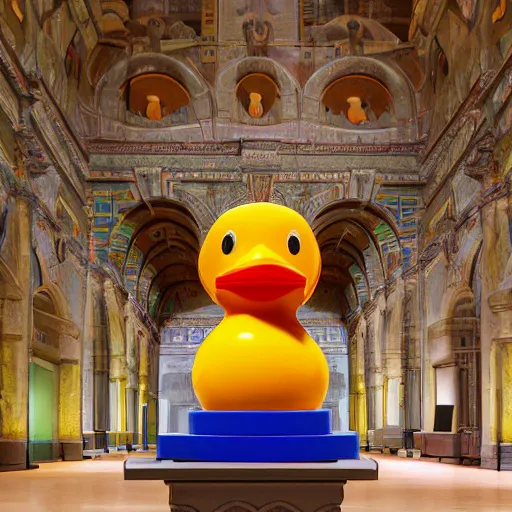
{"x": 155, "y": 99}
{"x": 358, "y": 101}
{"x": 256, "y": 91}
{"x": 258, "y": 99}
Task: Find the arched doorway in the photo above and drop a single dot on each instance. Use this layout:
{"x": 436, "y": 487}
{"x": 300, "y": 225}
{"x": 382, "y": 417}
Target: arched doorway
{"x": 154, "y": 250}
{"x": 361, "y": 252}
{"x": 54, "y": 381}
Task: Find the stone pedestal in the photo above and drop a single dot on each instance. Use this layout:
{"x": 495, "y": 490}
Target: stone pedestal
{"x": 240, "y": 487}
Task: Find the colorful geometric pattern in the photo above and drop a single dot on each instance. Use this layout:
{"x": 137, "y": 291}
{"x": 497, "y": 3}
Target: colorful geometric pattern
{"x": 404, "y": 204}
{"x": 108, "y": 203}
{"x": 321, "y": 334}
{"x": 361, "y": 286}
{"x": 389, "y": 246}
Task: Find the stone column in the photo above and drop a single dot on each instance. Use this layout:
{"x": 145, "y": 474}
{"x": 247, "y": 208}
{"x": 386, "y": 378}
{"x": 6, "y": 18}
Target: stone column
{"x": 88, "y": 358}
{"x": 117, "y": 366}
{"x": 15, "y": 335}
{"x": 496, "y": 326}
{"x": 494, "y": 218}
{"x": 391, "y": 348}
{"x": 133, "y": 372}
{"x": 500, "y": 303}
{"x": 70, "y": 420}
{"x": 411, "y": 359}
{"x": 101, "y": 364}
{"x": 143, "y": 377}
{"x": 358, "y": 405}
{"x": 373, "y": 367}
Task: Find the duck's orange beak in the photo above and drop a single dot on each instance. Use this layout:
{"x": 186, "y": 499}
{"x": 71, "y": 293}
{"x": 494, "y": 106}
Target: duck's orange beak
{"x": 261, "y": 276}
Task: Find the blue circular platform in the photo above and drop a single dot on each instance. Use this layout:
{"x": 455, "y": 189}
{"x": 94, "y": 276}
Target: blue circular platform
{"x": 186, "y": 447}
{"x": 260, "y": 423}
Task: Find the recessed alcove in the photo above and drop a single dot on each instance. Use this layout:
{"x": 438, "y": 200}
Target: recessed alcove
{"x": 360, "y": 100}
{"x": 257, "y": 93}
{"x": 155, "y": 96}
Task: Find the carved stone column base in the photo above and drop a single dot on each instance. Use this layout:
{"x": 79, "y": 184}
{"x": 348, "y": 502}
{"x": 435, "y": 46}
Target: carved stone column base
{"x": 255, "y": 497}
{"x": 13, "y": 455}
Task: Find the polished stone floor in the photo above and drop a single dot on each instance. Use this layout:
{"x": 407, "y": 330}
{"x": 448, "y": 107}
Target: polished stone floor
{"x": 404, "y": 485}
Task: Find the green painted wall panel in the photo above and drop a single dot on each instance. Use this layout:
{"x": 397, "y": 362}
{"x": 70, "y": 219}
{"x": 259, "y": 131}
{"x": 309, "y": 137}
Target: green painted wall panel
{"x": 42, "y": 403}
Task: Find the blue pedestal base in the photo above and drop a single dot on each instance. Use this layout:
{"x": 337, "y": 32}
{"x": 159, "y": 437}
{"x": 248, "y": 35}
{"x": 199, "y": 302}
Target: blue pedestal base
{"x": 259, "y": 436}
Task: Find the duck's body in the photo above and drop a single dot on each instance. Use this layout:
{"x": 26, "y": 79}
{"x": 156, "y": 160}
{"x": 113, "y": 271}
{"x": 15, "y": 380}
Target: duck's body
{"x": 256, "y": 365}
{"x": 260, "y": 262}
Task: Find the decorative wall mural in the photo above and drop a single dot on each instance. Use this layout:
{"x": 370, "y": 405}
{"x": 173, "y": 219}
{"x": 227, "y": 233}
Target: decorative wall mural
{"x": 404, "y": 204}
{"x": 132, "y": 269}
{"x": 144, "y": 283}
{"x": 108, "y": 203}
{"x": 389, "y": 246}
{"x": 323, "y": 335}
{"x": 360, "y": 283}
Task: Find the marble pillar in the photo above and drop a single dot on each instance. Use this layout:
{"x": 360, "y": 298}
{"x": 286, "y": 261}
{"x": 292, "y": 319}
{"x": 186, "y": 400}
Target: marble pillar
{"x": 358, "y": 408}
{"x": 70, "y": 421}
{"x": 495, "y": 324}
{"x": 117, "y": 363}
{"x": 15, "y": 335}
{"x": 88, "y": 359}
{"x": 373, "y": 368}
{"x": 143, "y": 377}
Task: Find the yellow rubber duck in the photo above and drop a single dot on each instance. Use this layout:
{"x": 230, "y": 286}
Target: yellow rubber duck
{"x": 260, "y": 262}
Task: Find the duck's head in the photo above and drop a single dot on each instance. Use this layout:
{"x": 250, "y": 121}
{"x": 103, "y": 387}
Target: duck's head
{"x": 258, "y": 256}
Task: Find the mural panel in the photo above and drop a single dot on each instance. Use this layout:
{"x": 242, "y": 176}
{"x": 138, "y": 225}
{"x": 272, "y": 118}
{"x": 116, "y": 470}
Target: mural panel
{"x": 360, "y": 282}
{"x": 404, "y": 204}
{"x": 108, "y": 203}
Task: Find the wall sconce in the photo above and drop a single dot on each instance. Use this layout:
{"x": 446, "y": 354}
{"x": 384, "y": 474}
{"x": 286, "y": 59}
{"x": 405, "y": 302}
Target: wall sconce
{"x": 255, "y": 105}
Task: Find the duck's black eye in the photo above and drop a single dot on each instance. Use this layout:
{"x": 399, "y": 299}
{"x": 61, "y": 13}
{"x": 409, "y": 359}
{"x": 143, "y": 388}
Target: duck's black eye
{"x": 293, "y": 243}
{"x": 228, "y": 242}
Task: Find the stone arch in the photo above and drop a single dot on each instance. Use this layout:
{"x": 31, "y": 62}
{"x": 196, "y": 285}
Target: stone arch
{"x": 327, "y": 211}
{"x": 150, "y": 245}
{"x": 360, "y": 247}
{"x": 393, "y": 79}
{"x": 111, "y": 107}
{"x": 229, "y": 108}
{"x": 59, "y": 300}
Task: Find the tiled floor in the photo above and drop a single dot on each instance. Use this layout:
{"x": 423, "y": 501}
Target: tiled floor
{"x": 404, "y": 485}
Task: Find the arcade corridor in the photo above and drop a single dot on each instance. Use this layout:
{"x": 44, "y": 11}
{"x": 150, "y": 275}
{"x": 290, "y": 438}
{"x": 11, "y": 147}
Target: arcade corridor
{"x": 97, "y": 486}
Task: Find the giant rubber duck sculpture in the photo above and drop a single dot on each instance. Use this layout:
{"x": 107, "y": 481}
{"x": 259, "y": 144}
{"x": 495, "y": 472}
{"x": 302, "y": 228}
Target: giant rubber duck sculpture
{"x": 260, "y": 262}
{"x": 259, "y": 377}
